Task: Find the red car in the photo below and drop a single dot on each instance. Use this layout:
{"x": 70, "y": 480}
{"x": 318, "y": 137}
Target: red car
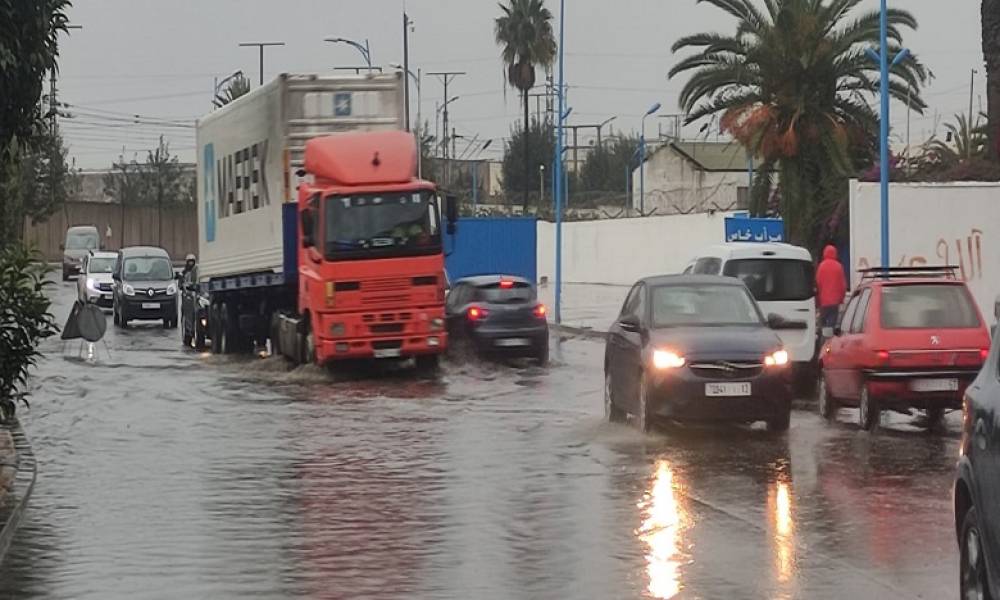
{"x": 909, "y": 338}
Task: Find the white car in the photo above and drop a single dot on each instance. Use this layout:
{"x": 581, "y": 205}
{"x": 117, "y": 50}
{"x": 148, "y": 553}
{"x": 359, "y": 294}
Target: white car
{"x": 94, "y": 284}
{"x": 781, "y": 277}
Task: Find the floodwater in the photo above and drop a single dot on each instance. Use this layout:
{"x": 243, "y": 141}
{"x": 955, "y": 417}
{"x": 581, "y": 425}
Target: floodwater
{"x": 165, "y": 473}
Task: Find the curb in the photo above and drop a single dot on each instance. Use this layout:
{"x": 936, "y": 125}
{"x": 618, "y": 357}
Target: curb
{"x": 584, "y": 332}
{"x": 13, "y": 504}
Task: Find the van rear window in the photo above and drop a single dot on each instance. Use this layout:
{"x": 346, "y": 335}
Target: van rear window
{"x": 928, "y": 306}
{"x": 774, "y": 279}
{"x": 508, "y": 293}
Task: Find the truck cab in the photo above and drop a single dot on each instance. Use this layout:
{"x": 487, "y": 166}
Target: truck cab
{"x": 371, "y": 277}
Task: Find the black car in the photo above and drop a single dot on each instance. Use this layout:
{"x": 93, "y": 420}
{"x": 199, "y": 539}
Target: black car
{"x": 145, "y": 287}
{"x": 977, "y": 485}
{"x": 696, "y": 348}
{"x": 498, "y": 315}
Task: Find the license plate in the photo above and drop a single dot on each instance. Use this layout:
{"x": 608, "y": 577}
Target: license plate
{"x": 727, "y": 389}
{"x": 150, "y": 305}
{"x": 934, "y": 385}
{"x": 513, "y": 342}
{"x": 388, "y": 353}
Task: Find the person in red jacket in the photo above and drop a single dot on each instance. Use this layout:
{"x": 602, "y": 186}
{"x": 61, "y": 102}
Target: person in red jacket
{"x": 831, "y": 286}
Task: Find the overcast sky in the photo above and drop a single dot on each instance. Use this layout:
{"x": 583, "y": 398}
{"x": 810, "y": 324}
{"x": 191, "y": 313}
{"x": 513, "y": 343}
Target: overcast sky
{"x": 158, "y": 59}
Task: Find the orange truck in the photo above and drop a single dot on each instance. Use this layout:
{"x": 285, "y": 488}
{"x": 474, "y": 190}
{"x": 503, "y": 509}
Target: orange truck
{"x": 352, "y": 266}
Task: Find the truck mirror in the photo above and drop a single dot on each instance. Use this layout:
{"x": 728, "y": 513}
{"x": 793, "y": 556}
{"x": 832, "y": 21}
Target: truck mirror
{"x": 308, "y": 227}
{"x": 451, "y": 209}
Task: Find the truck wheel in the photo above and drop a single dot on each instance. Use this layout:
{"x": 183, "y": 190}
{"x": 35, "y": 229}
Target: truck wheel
{"x": 307, "y": 349}
{"x": 428, "y": 363}
{"x": 215, "y": 325}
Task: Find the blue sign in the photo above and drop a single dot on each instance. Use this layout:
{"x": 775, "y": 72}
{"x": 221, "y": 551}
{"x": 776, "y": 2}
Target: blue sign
{"x": 342, "y": 104}
{"x": 748, "y": 229}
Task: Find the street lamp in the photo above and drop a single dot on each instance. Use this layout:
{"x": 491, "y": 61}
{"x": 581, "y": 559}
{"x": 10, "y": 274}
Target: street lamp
{"x": 642, "y": 158}
{"x": 601, "y": 126}
{"x": 416, "y": 80}
{"x": 365, "y": 50}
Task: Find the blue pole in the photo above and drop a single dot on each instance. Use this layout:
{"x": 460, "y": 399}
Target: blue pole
{"x": 883, "y": 57}
{"x": 558, "y": 162}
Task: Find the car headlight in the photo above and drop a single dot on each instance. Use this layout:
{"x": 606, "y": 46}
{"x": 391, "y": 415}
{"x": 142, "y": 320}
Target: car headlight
{"x": 171, "y": 289}
{"x": 665, "y": 359}
{"x": 91, "y": 284}
{"x": 128, "y": 290}
{"x": 777, "y": 359}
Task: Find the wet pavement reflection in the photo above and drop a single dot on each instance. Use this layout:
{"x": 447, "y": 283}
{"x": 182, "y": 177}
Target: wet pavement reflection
{"x": 166, "y": 473}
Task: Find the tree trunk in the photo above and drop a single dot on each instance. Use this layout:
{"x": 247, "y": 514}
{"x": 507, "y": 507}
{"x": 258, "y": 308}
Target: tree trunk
{"x": 991, "y": 56}
{"x": 527, "y": 154}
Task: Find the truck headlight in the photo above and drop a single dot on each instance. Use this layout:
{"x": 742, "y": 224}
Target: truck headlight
{"x": 128, "y": 290}
{"x": 437, "y": 324}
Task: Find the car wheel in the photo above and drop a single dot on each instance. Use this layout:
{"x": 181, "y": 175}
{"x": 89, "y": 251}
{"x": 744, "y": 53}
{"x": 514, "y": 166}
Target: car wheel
{"x": 781, "y": 423}
{"x": 869, "y": 412}
{"x": 611, "y": 412}
{"x": 935, "y": 417}
{"x": 827, "y": 405}
{"x": 974, "y": 580}
{"x": 643, "y": 420}
{"x": 542, "y": 352}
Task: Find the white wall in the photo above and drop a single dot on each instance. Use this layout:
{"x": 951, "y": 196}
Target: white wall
{"x": 932, "y": 224}
{"x": 674, "y": 185}
{"x": 620, "y": 251}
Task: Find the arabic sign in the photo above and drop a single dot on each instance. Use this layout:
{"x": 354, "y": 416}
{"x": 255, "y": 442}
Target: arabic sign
{"x": 748, "y": 229}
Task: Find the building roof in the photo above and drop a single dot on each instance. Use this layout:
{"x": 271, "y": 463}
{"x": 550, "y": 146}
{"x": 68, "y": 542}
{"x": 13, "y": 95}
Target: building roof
{"x": 713, "y": 156}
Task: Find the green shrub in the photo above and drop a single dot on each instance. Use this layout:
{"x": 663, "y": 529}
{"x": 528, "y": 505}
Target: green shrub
{"x": 25, "y": 321}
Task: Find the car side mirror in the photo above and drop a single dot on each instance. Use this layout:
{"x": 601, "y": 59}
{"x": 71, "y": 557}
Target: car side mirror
{"x": 630, "y": 323}
{"x": 308, "y": 228}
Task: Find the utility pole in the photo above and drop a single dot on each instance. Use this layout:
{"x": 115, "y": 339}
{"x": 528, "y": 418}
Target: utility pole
{"x": 406, "y": 67}
{"x": 53, "y": 131}
{"x": 972, "y": 87}
{"x": 260, "y": 46}
{"x": 446, "y": 77}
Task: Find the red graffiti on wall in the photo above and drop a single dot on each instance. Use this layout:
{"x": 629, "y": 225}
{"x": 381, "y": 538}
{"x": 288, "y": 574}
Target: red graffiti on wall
{"x": 968, "y": 256}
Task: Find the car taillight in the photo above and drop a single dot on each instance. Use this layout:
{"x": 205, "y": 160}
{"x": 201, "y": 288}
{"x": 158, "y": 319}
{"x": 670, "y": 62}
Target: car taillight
{"x": 476, "y": 313}
{"x": 506, "y": 284}
{"x": 883, "y": 355}
{"x": 540, "y": 311}
{"x": 984, "y": 353}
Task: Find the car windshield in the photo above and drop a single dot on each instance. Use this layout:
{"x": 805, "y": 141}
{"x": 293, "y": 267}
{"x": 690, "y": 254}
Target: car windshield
{"x": 773, "y": 279}
{"x": 81, "y": 241}
{"x": 101, "y": 265}
{"x": 703, "y": 305}
{"x": 147, "y": 268}
{"x": 928, "y": 306}
{"x": 505, "y": 293}
{"x": 386, "y": 224}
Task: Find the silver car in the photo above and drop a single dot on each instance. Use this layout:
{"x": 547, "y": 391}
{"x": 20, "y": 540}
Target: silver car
{"x": 94, "y": 285}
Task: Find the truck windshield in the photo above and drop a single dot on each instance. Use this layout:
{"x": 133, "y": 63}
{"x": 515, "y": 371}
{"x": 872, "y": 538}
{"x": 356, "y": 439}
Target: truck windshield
{"x": 398, "y": 224}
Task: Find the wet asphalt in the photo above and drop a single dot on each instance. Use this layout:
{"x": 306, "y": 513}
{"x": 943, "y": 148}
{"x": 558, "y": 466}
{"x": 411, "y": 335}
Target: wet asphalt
{"x": 167, "y": 473}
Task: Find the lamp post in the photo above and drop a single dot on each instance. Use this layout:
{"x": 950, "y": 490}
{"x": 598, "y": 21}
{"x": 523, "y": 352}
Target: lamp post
{"x": 365, "y": 50}
{"x": 416, "y": 81}
{"x": 260, "y": 47}
{"x": 642, "y": 158}
{"x": 557, "y": 167}
{"x": 541, "y": 185}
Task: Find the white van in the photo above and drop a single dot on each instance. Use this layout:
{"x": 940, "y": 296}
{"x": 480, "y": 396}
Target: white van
{"x": 782, "y": 279}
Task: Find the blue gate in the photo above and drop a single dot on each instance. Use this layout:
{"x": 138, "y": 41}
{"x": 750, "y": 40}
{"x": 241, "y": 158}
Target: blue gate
{"x": 505, "y": 245}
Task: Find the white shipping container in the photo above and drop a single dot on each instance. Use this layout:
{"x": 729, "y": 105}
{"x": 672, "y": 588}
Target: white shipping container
{"x": 932, "y": 224}
{"x": 248, "y": 152}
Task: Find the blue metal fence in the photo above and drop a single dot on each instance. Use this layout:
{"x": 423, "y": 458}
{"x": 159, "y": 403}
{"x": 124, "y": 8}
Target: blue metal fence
{"x": 505, "y": 245}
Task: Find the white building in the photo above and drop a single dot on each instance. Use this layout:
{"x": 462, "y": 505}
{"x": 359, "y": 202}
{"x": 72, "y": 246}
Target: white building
{"x": 687, "y": 177}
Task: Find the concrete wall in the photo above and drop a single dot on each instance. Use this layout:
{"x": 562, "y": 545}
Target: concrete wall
{"x": 932, "y": 224}
{"x": 180, "y": 228}
{"x": 620, "y": 251}
{"x": 674, "y": 185}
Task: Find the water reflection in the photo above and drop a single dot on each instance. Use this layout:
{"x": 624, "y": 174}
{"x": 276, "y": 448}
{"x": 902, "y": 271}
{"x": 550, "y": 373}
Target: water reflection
{"x": 783, "y": 528}
{"x": 665, "y": 519}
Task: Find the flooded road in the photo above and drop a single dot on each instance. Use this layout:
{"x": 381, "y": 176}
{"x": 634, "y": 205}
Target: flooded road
{"x": 165, "y": 473}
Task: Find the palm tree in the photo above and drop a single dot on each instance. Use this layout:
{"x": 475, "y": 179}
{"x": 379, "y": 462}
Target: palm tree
{"x": 524, "y": 31}
{"x": 970, "y": 142}
{"x": 991, "y": 56}
{"x": 238, "y": 86}
{"x": 793, "y": 84}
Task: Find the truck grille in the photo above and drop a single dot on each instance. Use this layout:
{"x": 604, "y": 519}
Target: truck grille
{"x": 386, "y": 285}
{"x": 721, "y": 369}
{"x": 387, "y": 344}
{"x": 387, "y": 328}
{"x": 385, "y": 299}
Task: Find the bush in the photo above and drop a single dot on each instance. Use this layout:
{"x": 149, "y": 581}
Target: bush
{"x": 25, "y": 321}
